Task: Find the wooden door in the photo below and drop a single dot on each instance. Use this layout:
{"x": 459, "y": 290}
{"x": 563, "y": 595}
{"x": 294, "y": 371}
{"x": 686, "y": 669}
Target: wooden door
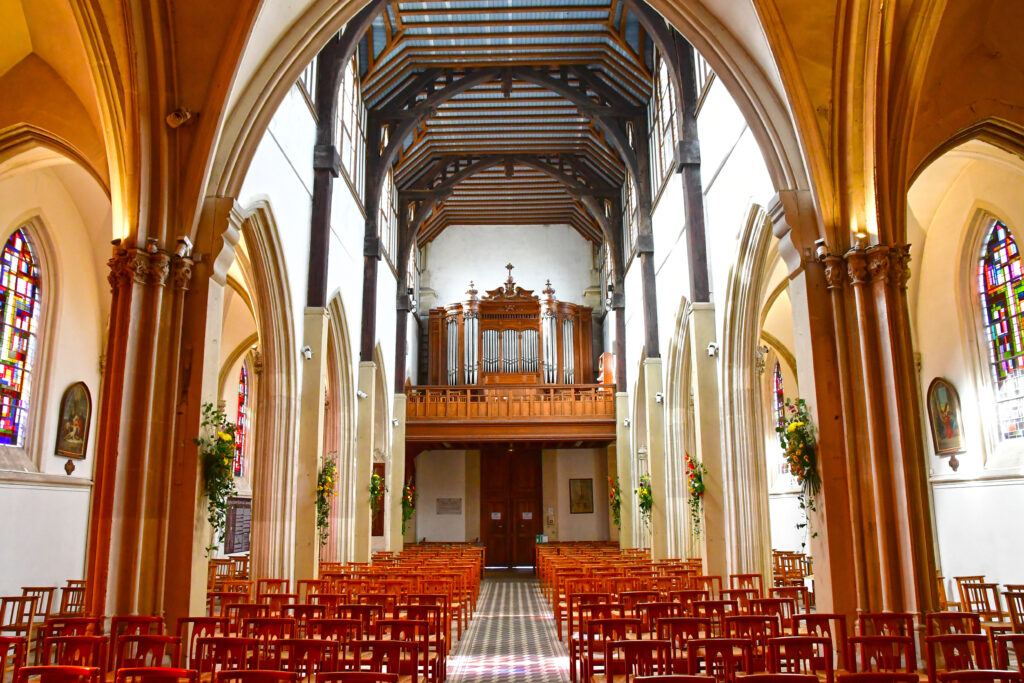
{"x": 510, "y": 505}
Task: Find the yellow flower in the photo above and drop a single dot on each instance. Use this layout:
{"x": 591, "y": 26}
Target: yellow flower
{"x": 793, "y": 426}
{"x": 224, "y": 436}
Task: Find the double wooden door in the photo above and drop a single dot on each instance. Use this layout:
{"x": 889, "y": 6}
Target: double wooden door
{"x": 510, "y": 505}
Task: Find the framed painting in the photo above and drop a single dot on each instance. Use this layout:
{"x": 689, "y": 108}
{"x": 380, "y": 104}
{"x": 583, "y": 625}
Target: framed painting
{"x": 944, "y": 417}
{"x": 581, "y": 496}
{"x": 73, "y": 421}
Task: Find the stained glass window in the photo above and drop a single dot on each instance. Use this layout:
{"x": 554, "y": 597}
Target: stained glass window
{"x": 19, "y": 317}
{"x": 779, "y": 395}
{"x": 1001, "y": 285}
{"x": 242, "y": 426}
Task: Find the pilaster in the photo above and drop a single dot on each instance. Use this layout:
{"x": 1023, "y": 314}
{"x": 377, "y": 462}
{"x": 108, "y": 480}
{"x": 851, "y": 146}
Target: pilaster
{"x": 655, "y": 437}
{"x": 396, "y": 482}
{"x": 366, "y": 386}
{"x": 313, "y": 392}
{"x": 623, "y": 470}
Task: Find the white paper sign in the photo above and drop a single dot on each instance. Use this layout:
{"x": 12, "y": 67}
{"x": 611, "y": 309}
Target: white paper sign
{"x": 495, "y": 515}
{"x": 527, "y": 515}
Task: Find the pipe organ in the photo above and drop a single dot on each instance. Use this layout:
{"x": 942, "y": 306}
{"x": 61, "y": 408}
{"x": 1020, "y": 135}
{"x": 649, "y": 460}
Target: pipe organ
{"x": 510, "y": 336}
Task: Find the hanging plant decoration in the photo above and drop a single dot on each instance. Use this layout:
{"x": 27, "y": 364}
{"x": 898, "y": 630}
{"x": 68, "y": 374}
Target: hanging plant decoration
{"x": 216, "y": 444}
{"x": 408, "y": 504}
{"x": 325, "y": 491}
{"x": 797, "y": 435}
{"x": 645, "y": 499}
{"x": 615, "y": 500}
{"x": 377, "y": 491}
{"x": 695, "y": 472}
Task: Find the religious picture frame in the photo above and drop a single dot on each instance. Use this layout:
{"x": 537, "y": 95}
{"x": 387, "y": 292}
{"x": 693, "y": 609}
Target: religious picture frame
{"x": 73, "y": 421}
{"x": 581, "y": 496}
{"x": 944, "y": 417}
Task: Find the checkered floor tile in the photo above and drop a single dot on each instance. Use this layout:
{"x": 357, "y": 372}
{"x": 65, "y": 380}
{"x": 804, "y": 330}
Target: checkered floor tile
{"x": 511, "y": 638}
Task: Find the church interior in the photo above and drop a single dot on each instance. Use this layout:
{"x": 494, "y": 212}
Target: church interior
{"x": 511, "y": 340}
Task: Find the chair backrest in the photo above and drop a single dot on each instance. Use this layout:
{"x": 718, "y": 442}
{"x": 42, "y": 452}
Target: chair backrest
{"x": 44, "y": 596}
{"x": 356, "y": 677}
{"x": 306, "y": 656}
{"x": 747, "y": 581}
{"x": 132, "y": 625}
{"x": 777, "y": 678}
{"x": 711, "y": 584}
{"x": 225, "y": 652}
{"x": 798, "y": 594}
{"x": 801, "y": 655}
{"x": 58, "y": 674}
{"x": 146, "y": 651}
{"x": 631, "y": 599}
{"x": 191, "y": 629}
{"x": 1005, "y": 644}
{"x": 983, "y": 600}
{"x": 679, "y": 630}
{"x": 884, "y": 653}
{"x": 716, "y": 611}
{"x": 340, "y": 630}
{"x": 255, "y": 676}
{"x": 17, "y": 613}
{"x": 828, "y": 625}
{"x": 390, "y": 656}
{"x": 156, "y": 675}
{"x": 638, "y": 657}
{"x": 757, "y": 628}
{"x": 650, "y": 612}
{"x": 942, "y": 623}
{"x": 12, "y": 654}
{"x": 957, "y": 652}
{"x": 272, "y": 586}
{"x": 718, "y": 657}
{"x": 878, "y": 677}
{"x": 72, "y": 599}
{"x": 961, "y": 581}
{"x": 980, "y": 677}
{"x": 88, "y": 651}
{"x": 302, "y": 614}
{"x": 239, "y": 613}
{"x": 1015, "y": 609}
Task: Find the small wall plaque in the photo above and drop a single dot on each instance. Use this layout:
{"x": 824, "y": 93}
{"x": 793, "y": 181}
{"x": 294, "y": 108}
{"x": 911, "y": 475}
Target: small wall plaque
{"x": 449, "y": 506}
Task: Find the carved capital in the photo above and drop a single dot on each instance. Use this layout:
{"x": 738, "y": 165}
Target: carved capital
{"x": 120, "y": 274}
{"x": 878, "y": 263}
{"x": 857, "y": 266}
{"x": 835, "y": 269}
{"x": 159, "y": 266}
{"x": 899, "y": 268}
{"x": 182, "y": 272}
{"x": 138, "y": 265}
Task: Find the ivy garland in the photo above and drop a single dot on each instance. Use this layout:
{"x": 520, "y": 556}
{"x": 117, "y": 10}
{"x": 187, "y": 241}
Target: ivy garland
{"x": 615, "y": 500}
{"x": 325, "y": 491}
{"x": 797, "y": 434}
{"x": 377, "y": 491}
{"x": 408, "y": 504}
{"x": 695, "y": 472}
{"x": 645, "y": 499}
{"x": 216, "y": 444}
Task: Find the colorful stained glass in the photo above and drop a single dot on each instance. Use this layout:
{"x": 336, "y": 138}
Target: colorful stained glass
{"x": 780, "y": 408}
{"x": 1001, "y": 285}
{"x": 19, "y": 318}
{"x": 242, "y": 425}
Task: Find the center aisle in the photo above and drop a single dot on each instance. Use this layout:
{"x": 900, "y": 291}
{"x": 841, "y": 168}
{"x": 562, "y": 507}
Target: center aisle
{"x": 512, "y": 636}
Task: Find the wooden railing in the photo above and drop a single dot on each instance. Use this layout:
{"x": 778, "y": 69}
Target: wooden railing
{"x": 549, "y": 402}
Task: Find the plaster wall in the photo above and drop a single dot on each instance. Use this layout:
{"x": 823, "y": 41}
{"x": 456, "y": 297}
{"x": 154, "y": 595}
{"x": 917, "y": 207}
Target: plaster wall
{"x": 581, "y": 463}
{"x": 479, "y": 253}
{"x": 442, "y": 474}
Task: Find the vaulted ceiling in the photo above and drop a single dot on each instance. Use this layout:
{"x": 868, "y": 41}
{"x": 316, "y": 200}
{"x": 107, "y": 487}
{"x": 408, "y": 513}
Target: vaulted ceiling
{"x": 520, "y": 133}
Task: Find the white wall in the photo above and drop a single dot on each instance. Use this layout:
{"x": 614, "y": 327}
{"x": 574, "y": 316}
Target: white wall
{"x": 479, "y": 253}
{"x": 440, "y": 474}
{"x": 582, "y": 463}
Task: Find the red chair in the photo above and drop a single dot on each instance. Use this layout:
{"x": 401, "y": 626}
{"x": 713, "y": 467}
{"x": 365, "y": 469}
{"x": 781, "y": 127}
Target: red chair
{"x": 777, "y": 678}
{"x": 256, "y": 676}
{"x": 306, "y": 656}
{"x": 146, "y": 651}
{"x": 783, "y": 608}
{"x": 887, "y": 624}
{"x": 191, "y": 629}
{"x": 417, "y": 632}
{"x": 980, "y": 676}
{"x": 12, "y": 655}
{"x": 637, "y": 658}
{"x": 599, "y": 631}
{"x": 131, "y": 626}
{"x": 389, "y": 656}
{"x": 680, "y": 630}
{"x": 302, "y": 614}
{"x": 242, "y": 612}
{"x": 674, "y": 678}
{"x": 826, "y": 625}
{"x": 1004, "y": 643}
{"x": 801, "y": 655}
{"x": 718, "y": 655}
{"x": 758, "y": 629}
{"x": 225, "y": 653}
{"x": 945, "y": 623}
{"x": 156, "y": 675}
{"x": 650, "y": 612}
{"x": 716, "y": 611}
{"x": 80, "y": 651}
{"x": 878, "y": 677}
{"x": 356, "y": 677}
{"x": 686, "y": 598}
{"x": 265, "y": 631}
{"x": 340, "y": 630}
{"x": 883, "y": 653}
{"x": 958, "y": 652}
{"x": 59, "y": 674}
{"x": 264, "y": 586}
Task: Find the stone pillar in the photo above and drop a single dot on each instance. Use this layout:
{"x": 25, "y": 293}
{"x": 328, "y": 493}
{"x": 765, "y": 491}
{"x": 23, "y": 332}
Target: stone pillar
{"x": 623, "y": 470}
{"x": 655, "y": 437}
{"x": 707, "y": 428}
{"x": 367, "y": 383}
{"x": 311, "y": 440}
{"x": 396, "y": 483}
{"x": 549, "y": 488}
{"x": 613, "y": 531}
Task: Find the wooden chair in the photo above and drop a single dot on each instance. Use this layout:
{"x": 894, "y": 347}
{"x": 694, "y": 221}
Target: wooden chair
{"x": 156, "y": 675}
{"x": 1015, "y": 609}
{"x": 650, "y": 612}
{"x": 831, "y": 626}
{"x": 44, "y": 606}
{"x": 1004, "y": 645}
{"x": 961, "y": 581}
{"x": 747, "y": 581}
{"x": 980, "y": 676}
{"x": 191, "y": 630}
{"x": 255, "y": 676}
{"x": 632, "y": 658}
{"x": 72, "y": 599}
{"x": 711, "y": 584}
{"x": 777, "y": 678}
{"x": 598, "y": 632}
{"x": 716, "y": 611}
{"x": 878, "y": 677}
{"x": 58, "y": 674}
{"x": 306, "y": 656}
{"x": 883, "y": 653}
{"x": 302, "y": 614}
{"x": 758, "y": 629}
{"x": 956, "y": 652}
{"x": 18, "y": 615}
{"x": 265, "y": 586}
{"x": 86, "y": 651}
{"x": 801, "y": 655}
{"x": 674, "y": 678}
{"x": 782, "y": 608}
{"x": 718, "y": 657}
{"x": 145, "y": 651}
{"x": 888, "y": 624}
{"x": 13, "y": 651}
{"x": 944, "y": 623}
{"x": 356, "y": 677}
{"x": 678, "y": 631}
{"x": 389, "y": 656}
{"x": 225, "y": 653}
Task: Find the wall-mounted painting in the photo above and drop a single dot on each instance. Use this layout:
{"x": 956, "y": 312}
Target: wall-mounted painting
{"x": 73, "y": 423}
{"x": 581, "y": 496}
{"x": 944, "y": 417}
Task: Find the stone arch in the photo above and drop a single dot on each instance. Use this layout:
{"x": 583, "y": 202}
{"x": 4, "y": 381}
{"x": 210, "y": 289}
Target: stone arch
{"x": 275, "y": 438}
{"x": 679, "y": 435}
{"x": 340, "y": 431}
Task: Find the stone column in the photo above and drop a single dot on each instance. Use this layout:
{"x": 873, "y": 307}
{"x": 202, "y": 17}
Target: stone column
{"x": 623, "y": 470}
{"x": 311, "y": 440}
{"x": 655, "y": 436}
{"x": 367, "y": 384}
{"x": 396, "y": 483}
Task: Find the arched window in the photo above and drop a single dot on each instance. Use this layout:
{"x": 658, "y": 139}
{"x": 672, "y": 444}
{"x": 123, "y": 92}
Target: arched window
{"x": 19, "y": 316}
{"x": 779, "y": 409}
{"x": 1001, "y": 285}
{"x": 242, "y": 425}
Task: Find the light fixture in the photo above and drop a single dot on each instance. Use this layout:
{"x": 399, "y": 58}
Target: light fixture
{"x": 361, "y": 394}
{"x": 625, "y": 422}
{"x": 712, "y": 349}
{"x": 659, "y": 397}
{"x": 307, "y": 352}
{"x": 394, "y": 422}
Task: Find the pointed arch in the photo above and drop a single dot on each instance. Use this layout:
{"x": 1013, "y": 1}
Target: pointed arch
{"x": 679, "y": 434}
{"x": 340, "y": 431}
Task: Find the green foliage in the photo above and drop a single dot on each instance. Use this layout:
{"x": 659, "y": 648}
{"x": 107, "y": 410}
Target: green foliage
{"x": 695, "y": 472}
{"x": 408, "y": 504}
{"x": 325, "y": 491}
{"x": 377, "y": 490}
{"x": 645, "y": 499}
{"x": 798, "y": 438}
{"x": 615, "y": 500}
{"x": 216, "y": 444}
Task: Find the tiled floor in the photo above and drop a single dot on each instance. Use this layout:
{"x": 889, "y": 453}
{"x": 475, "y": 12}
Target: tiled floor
{"x": 511, "y": 638}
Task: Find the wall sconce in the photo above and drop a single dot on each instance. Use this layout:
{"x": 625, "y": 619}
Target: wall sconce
{"x": 361, "y": 394}
{"x": 659, "y": 397}
{"x": 394, "y": 422}
{"x": 625, "y": 422}
{"x": 307, "y": 352}
{"x": 712, "y": 349}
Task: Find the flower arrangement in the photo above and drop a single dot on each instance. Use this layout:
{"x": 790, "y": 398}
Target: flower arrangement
{"x": 797, "y": 435}
{"x": 216, "y": 444}
{"x": 377, "y": 491}
{"x": 645, "y": 499}
{"x": 695, "y": 472}
{"x": 615, "y": 500}
{"x": 408, "y": 504}
{"x": 325, "y": 491}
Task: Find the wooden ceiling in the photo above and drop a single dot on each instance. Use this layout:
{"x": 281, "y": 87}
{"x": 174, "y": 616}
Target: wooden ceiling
{"x": 508, "y": 116}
